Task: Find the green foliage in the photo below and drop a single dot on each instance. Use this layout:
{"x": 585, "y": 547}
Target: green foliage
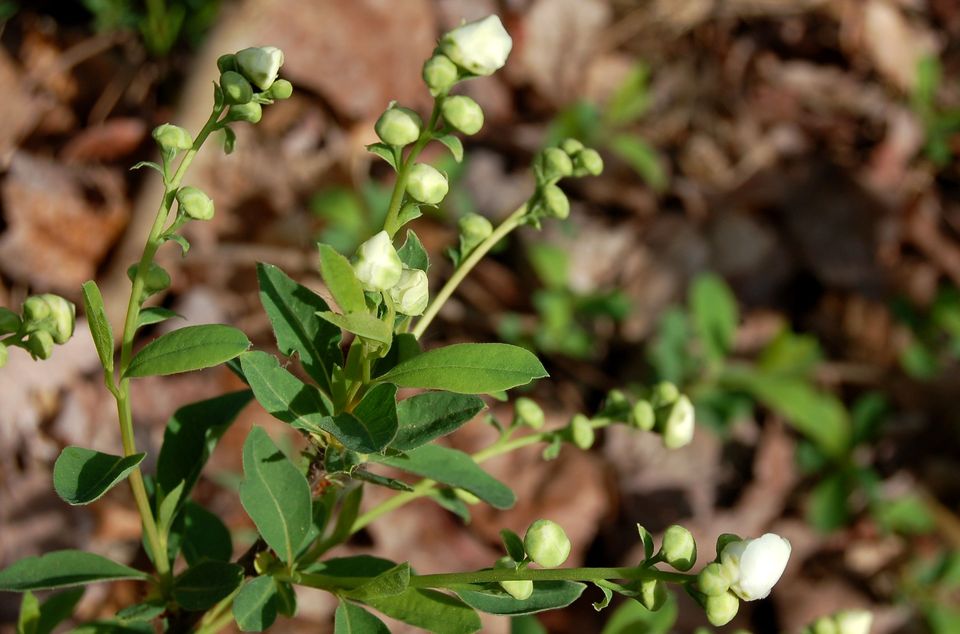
{"x": 204, "y": 585}
{"x": 188, "y": 349}
{"x": 940, "y": 125}
{"x": 63, "y": 569}
{"x": 160, "y": 23}
{"x": 82, "y": 476}
{"x": 255, "y": 606}
{"x": 547, "y": 595}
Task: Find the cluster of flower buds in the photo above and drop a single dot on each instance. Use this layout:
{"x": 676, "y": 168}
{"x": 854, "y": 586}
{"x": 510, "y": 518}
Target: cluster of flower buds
{"x": 249, "y": 79}
{"x": 379, "y": 270}
{"x": 846, "y": 622}
{"x": 46, "y": 320}
{"x": 475, "y": 49}
{"x": 570, "y": 159}
{"x": 744, "y": 569}
{"x": 545, "y": 544}
{"x": 667, "y": 412}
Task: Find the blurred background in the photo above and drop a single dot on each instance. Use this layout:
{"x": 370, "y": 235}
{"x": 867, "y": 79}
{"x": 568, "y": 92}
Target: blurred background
{"x": 786, "y": 163}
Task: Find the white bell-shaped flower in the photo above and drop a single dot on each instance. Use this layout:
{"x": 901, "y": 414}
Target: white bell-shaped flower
{"x": 754, "y": 565}
{"x": 260, "y": 65}
{"x": 480, "y": 47}
{"x": 378, "y": 266}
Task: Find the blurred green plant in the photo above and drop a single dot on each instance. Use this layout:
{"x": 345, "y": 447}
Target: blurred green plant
{"x": 609, "y": 127}
{"x": 935, "y": 334}
{"x": 161, "y": 23}
{"x": 939, "y": 124}
{"x": 932, "y": 585}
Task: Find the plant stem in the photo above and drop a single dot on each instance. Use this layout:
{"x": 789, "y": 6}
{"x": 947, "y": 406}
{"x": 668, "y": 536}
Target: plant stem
{"x": 121, "y": 391}
{"x": 512, "y": 222}
{"x": 403, "y": 171}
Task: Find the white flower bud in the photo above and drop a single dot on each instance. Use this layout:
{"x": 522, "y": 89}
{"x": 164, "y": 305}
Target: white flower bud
{"x": 440, "y": 74}
{"x": 854, "y": 621}
{"x": 63, "y": 317}
{"x": 480, "y": 47}
{"x": 678, "y": 427}
{"x": 528, "y": 413}
{"x": 519, "y": 590}
{"x": 398, "y": 126}
{"x": 679, "y": 548}
{"x": 260, "y": 65}
{"x": 194, "y": 203}
{"x": 546, "y": 543}
{"x": 721, "y": 608}
{"x": 463, "y": 113}
{"x": 411, "y": 294}
{"x": 378, "y": 266}
{"x": 172, "y": 138}
{"x": 755, "y": 565}
{"x": 427, "y": 184}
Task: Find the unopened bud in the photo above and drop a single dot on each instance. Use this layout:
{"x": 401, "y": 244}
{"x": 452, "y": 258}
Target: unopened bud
{"x": 236, "y": 88}
{"x": 260, "y": 65}
{"x": 9, "y": 321}
{"x": 712, "y": 580}
{"x": 440, "y": 74}
{"x": 40, "y": 344}
{"x": 227, "y": 62}
{"x": 519, "y": 590}
{"x": 824, "y": 625}
{"x": 571, "y": 146}
{"x": 480, "y": 47}
{"x": 378, "y": 267}
{"x": 172, "y": 138}
{"x": 62, "y": 319}
{"x": 398, "y": 126}
{"x": 463, "y": 113}
{"x": 653, "y": 594}
{"x": 664, "y": 393}
{"x": 546, "y": 543}
{"x": 678, "y": 428}
{"x": 281, "y": 89}
{"x": 35, "y": 310}
{"x": 474, "y": 229}
{"x": 587, "y": 161}
{"x": 555, "y": 202}
{"x": 250, "y": 112}
{"x": 581, "y": 432}
{"x": 194, "y": 203}
{"x": 721, "y": 608}
{"x": 411, "y": 294}
{"x": 854, "y": 621}
{"x": 427, "y": 184}
{"x": 643, "y": 416}
{"x": 528, "y": 413}
{"x": 554, "y": 164}
{"x": 679, "y": 548}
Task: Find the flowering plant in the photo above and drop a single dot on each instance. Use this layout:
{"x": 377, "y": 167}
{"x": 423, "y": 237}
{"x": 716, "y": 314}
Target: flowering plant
{"x": 355, "y": 358}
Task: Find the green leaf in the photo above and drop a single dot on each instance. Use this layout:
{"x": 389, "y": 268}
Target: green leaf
{"x": 204, "y": 536}
{"x": 715, "y": 315}
{"x": 412, "y": 253}
{"x": 387, "y": 584}
{"x": 275, "y": 495}
{"x": 146, "y": 611}
{"x": 430, "y": 415}
{"x": 408, "y": 213}
{"x": 292, "y": 309}
{"x": 150, "y": 164}
{"x": 349, "y": 511}
{"x": 57, "y": 609}
{"x": 155, "y": 315}
{"x": 29, "y": 617}
{"x": 643, "y": 158}
{"x": 283, "y": 395}
{"x": 468, "y": 368}
{"x": 114, "y": 627}
{"x": 81, "y": 476}
{"x": 526, "y": 624}
{"x": 449, "y": 500}
{"x": 255, "y": 606}
{"x": 827, "y": 507}
{"x": 352, "y": 619}
{"x": 454, "y": 144}
{"x": 907, "y": 514}
{"x": 188, "y": 349}
{"x": 190, "y": 437}
{"x": 341, "y": 280}
{"x": 632, "y": 618}
{"x": 63, "y": 569}
{"x": 428, "y": 609}
{"x": 547, "y": 595}
{"x": 183, "y": 243}
{"x": 361, "y": 324}
{"x": 99, "y": 324}
{"x": 453, "y": 468}
{"x": 385, "y": 152}
{"x": 204, "y": 585}
{"x": 377, "y": 411}
{"x": 791, "y": 354}
{"x": 513, "y": 544}
{"x": 405, "y": 346}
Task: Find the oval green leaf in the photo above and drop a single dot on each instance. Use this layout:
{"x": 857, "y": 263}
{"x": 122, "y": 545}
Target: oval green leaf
{"x": 255, "y": 606}
{"x": 188, "y": 349}
{"x": 204, "y": 585}
{"x": 81, "y": 476}
{"x": 428, "y": 416}
{"x": 62, "y": 569}
{"x": 547, "y": 595}
{"x": 99, "y": 324}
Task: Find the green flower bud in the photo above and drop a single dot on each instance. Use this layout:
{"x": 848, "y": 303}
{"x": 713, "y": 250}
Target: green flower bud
{"x": 587, "y": 161}
{"x": 853, "y": 621}
{"x": 236, "y": 88}
{"x": 721, "y": 608}
{"x": 378, "y": 266}
{"x": 653, "y": 594}
{"x": 581, "y": 432}
{"x": 194, "y": 203}
{"x": 463, "y": 113}
{"x": 554, "y": 164}
{"x": 679, "y": 548}
{"x": 712, "y": 580}
{"x": 571, "y": 146}
{"x": 480, "y": 47}
{"x": 426, "y": 184}
{"x": 519, "y": 590}
{"x": 62, "y": 319}
{"x": 398, "y": 126}
{"x": 678, "y": 427}
{"x": 40, "y": 344}
{"x": 411, "y": 294}
{"x": 227, "y": 62}
{"x": 9, "y": 321}
{"x": 474, "y": 229}
{"x": 281, "y": 89}
{"x": 546, "y": 543}
{"x": 555, "y": 202}
{"x": 527, "y": 412}
{"x": 440, "y": 74}
{"x": 155, "y": 280}
{"x": 824, "y": 625}
{"x": 250, "y": 112}
{"x": 35, "y": 310}
{"x": 260, "y": 65}
{"x": 643, "y": 416}
{"x": 172, "y": 138}
{"x": 664, "y": 393}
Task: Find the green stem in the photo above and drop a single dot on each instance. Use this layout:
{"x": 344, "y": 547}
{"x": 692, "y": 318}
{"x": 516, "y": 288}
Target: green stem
{"x": 513, "y": 221}
{"x": 121, "y": 391}
{"x": 403, "y": 171}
